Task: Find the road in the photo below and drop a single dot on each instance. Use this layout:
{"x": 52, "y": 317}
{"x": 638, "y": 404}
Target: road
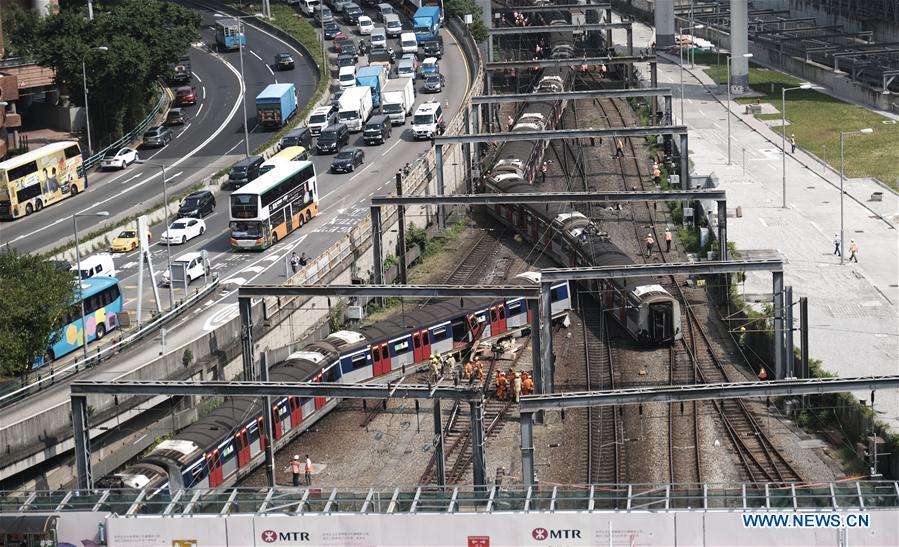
{"x": 344, "y": 200}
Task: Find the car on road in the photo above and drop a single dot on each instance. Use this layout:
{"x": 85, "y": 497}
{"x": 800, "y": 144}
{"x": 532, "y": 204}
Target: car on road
{"x": 345, "y": 59}
{"x": 118, "y": 158}
{"x": 341, "y": 41}
{"x": 340, "y": 5}
{"x": 393, "y": 25}
{"x": 127, "y": 240}
{"x": 197, "y": 204}
{"x": 408, "y": 42}
{"x": 407, "y": 67}
{"x": 349, "y": 48}
{"x": 431, "y": 48}
{"x": 283, "y": 61}
{"x": 182, "y": 230}
{"x": 352, "y": 13}
{"x": 347, "y": 77}
{"x": 244, "y": 171}
{"x": 384, "y": 10}
{"x": 364, "y": 25}
{"x": 194, "y": 264}
{"x": 346, "y": 160}
{"x": 321, "y": 118}
{"x": 185, "y": 95}
{"x": 333, "y": 138}
{"x": 331, "y": 30}
{"x": 429, "y": 66}
{"x": 323, "y": 15}
{"x": 159, "y": 135}
{"x": 378, "y": 38}
{"x": 434, "y": 83}
{"x": 176, "y": 116}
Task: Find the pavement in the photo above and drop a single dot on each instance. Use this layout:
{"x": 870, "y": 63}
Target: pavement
{"x": 853, "y": 314}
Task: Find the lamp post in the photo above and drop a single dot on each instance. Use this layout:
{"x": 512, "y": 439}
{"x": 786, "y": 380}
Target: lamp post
{"x": 783, "y": 135}
{"x": 87, "y": 118}
{"x": 78, "y": 268}
{"x": 241, "y": 37}
{"x": 681, "y": 52}
{"x": 168, "y": 243}
{"x": 865, "y": 131}
{"x": 746, "y": 55}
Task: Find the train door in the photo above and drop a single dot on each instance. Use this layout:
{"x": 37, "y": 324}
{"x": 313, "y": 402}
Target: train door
{"x": 214, "y": 467}
{"x": 497, "y": 319}
{"x": 660, "y": 322}
{"x": 416, "y": 348}
{"x": 319, "y": 401}
{"x": 260, "y": 430}
{"x": 276, "y": 423}
{"x": 296, "y": 412}
{"x": 242, "y": 447}
{"x": 425, "y": 344}
{"x": 380, "y": 359}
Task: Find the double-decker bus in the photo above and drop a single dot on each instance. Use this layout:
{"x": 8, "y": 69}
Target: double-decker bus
{"x": 229, "y": 34}
{"x": 102, "y": 305}
{"x": 275, "y": 204}
{"x": 30, "y": 182}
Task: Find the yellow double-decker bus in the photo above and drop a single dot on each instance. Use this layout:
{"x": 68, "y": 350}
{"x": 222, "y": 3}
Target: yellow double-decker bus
{"x": 39, "y": 178}
{"x": 275, "y": 204}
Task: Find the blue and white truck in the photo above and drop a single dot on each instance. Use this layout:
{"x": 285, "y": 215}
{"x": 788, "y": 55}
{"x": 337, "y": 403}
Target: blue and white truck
{"x": 374, "y": 77}
{"x": 426, "y": 23}
{"x": 275, "y": 105}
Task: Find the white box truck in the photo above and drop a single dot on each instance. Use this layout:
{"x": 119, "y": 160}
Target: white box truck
{"x": 398, "y": 99}
{"x": 355, "y": 107}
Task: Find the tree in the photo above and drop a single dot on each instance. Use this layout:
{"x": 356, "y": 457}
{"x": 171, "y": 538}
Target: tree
{"x": 34, "y": 300}
{"x": 479, "y": 31}
{"x": 20, "y": 29}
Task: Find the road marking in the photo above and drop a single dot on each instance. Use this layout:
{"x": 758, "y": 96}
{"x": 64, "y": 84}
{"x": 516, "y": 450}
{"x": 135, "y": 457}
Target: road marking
{"x": 198, "y": 78}
{"x": 270, "y": 70}
{"x": 392, "y": 146}
{"x": 234, "y": 281}
{"x": 701, "y": 112}
{"x": 178, "y": 136}
{"x": 204, "y": 91}
{"x": 197, "y": 115}
{"x": 136, "y": 175}
{"x": 128, "y": 265}
{"x": 359, "y": 173}
{"x": 716, "y": 125}
{"x": 233, "y": 147}
{"x": 253, "y": 53}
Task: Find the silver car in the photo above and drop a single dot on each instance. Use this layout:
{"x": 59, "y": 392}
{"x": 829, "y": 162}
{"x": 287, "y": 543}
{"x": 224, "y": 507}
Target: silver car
{"x": 405, "y": 68}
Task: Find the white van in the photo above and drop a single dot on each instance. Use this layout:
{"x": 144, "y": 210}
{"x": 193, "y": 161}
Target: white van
{"x": 378, "y": 38}
{"x": 308, "y": 7}
{"x": 383, "y": 11}
{"x": 428, "y": 121}
{"x": 408, "y": 42}
{"x": 393, "y": 25}
{"x": 98, "y": 264}
{"x": 347, "y": 77}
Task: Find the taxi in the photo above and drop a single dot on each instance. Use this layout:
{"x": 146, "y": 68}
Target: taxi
{"x": 127, "y": 240}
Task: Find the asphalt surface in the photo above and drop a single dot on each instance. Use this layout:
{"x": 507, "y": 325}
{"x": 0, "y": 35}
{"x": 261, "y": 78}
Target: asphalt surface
{"x": 344, "y": 200}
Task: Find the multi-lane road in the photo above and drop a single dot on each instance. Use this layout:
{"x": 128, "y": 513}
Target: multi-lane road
{"x": 344, "y": 198}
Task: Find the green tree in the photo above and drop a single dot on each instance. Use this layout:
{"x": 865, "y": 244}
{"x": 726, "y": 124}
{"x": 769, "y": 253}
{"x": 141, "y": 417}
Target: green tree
{"x": 462, "y": 7}
{"x": 21, "y": 28}
{"x": 142, "y": 37}
{"x": 479, "y": 31}
{"x": 34, "y": 299}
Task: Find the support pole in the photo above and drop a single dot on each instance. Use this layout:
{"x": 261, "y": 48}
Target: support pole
{"x": 778, "y": 325}
{"x": 267, "y": 424}
{"x": 438, "y": 449}
{"x": 526, "y": 421}
{"x": 630, "y": 41}
{"x": 479, "y": 458}
{"x": 401, "y": 241}
{"x": 476, "y": 123}
{"x": 535, "y": 346}
{"x": 466, "y": 153}
{"x": 803, "y": 337}
{"x": 82, "y": 442}
{"x": 377, "y": 245}
{"x": 246, "y": 324}
{"x": 546, "y": 337}
{"x": 654, "y": 101}
{"x": 669, "y": 113}
{"x": 722, "y": 230}
{"x": 441, "y": 209}
{"x": 788, "y": 331}
{"x": 684, "y": 163}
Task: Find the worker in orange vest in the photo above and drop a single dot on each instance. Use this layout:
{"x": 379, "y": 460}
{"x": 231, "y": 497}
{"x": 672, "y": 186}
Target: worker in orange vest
{"x": 479, "y": 371}
{"x": 469, "y": 370}
{"x": 527, "y": 384}
{"x": 501, "y": 386}
{"x": 294, "y": 468}
{"x": 668, "y": 238}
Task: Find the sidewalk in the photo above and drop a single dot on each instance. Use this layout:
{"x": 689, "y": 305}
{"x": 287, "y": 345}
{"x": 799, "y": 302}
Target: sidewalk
{"x": 853, "y": 312}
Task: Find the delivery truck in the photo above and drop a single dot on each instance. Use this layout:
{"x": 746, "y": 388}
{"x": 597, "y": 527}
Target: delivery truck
{"x": 275, "y": 105}
{"x": 398, "y": 99}
{"x": 374, "y": 77}
{"x": 426, "y": 23}
{"x": 355, "y": 107}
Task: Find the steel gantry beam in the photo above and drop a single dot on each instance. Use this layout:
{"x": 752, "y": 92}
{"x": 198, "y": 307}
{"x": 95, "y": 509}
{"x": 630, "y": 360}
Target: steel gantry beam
{"x": 549, "y": 197}
{"x": 503, "y": 31}
{"x": 532, "y": 404}
{"x": 599, "y": 6}
{"x": 547, "y": 63}
{"x": 671, "y": 268}
{"x": 517, "y": 136}
{"x": 420, "y": 291}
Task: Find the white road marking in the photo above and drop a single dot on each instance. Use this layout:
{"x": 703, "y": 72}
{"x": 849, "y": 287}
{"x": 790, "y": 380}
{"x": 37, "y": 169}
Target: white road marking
{"x": 392, "y": 146}
{"x": 716, "y": 125}
{"x": 204, "y": 91}
{"x": 128, "y": 265}
{"x": 253, "y": 53}
{"x": 233, "y": 147}
{"x": 197, "y": 115}
{"x": 270, "y": 70}
{"x": 136, "y": 175}
{"x": 234, "y": 281}
{"x": 178, "y": 136}
{"x": 197, "y": 77}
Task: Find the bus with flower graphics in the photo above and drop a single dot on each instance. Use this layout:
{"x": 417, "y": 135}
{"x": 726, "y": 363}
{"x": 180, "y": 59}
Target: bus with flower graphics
{"x": 102, "y": 305}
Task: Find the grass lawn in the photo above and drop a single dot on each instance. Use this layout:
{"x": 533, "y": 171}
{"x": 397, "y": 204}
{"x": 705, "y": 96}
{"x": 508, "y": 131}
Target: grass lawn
{"x": 817, "y": 119}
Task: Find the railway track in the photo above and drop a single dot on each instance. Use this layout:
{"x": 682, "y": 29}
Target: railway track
{"x": 684, "y": 454}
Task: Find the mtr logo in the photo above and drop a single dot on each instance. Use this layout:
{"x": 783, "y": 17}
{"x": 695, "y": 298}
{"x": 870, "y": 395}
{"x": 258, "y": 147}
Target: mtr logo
{"x": 270, "y": 536}
{"x": 542, "y": 534}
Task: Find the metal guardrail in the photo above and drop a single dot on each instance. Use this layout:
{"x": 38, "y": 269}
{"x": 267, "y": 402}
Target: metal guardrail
{"x": 13, "y": 62}
{"x": 104, "y": 353}
{"x": 128, "y": 137}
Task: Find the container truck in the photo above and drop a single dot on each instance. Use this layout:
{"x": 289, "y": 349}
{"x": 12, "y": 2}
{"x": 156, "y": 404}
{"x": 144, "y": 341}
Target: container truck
{"x": 355, "y": 107}
{"x": 398, "y": 99}
{"x": 275, "y": 105}
{"x": 426, "y": 23}
{"x": 374, "y": 77}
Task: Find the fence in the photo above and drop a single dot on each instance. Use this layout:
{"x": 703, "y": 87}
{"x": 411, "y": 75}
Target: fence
{"x": 131, "y": 135}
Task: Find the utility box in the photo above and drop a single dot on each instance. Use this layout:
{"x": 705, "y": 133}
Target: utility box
{"x": 355, "y": 312}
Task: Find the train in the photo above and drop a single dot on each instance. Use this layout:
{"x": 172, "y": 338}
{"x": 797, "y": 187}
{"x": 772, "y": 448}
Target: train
{"x": 642, "y": 306}
{"x": 219, "y": 447}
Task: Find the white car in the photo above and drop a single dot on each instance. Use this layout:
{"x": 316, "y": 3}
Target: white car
{"x": 183, "y": 229}
{"x": 365, "y": 25}
{"x": 118, "y": 159}
{"x": 194, "y": 265}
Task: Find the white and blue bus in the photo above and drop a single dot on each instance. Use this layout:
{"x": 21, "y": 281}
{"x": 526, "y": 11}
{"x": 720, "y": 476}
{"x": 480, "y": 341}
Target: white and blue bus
{"x": 102, "y": 305}
{"x": 229, "y": 34}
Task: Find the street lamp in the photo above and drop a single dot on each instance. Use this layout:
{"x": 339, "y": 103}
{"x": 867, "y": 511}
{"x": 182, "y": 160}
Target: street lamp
{"x": 78, "y": 268}
{"x": 681, "y": 52}
{"x": 168, "y": 242}
{"x": 240, "y": 40}
{"x": 865, "y": 131}
{"x": 87, "y": 118}
{"x": 783, "y": 135}
{"x": 729, "y": 57}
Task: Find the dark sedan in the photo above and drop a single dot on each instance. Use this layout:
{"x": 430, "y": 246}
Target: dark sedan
{"x": 434, "y": 83}
{"x": 283, "y": 61}
{"x": 351, "y": 13}
{"x": 347, "y": 160}
{"x": 331, "y": 30}
{"x": 431, "y": 48}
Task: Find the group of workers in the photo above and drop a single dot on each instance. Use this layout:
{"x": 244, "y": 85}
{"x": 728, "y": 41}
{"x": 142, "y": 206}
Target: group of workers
{"x": 509, "y": 384}
{"x": 513, "y": 385}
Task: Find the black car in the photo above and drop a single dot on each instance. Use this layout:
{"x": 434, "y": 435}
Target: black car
{"x": 333, "y": 138}
{"x": 351, "y": 13}
{"x": 349, "y": 48}
{"x": 176, "y": 116}
{"x": 346, "y": 160}
{"x": 197, "y": 205}
{"x": 331, "y": 30}
{"x": 244, "y": 171}
{"x": 283, "y": 61}
{"x": 434, "y": 83}
{"x": 431, "y": 48}
{"x": 346, "y": 59}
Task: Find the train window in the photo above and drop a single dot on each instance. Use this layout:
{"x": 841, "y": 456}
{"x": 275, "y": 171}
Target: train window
{"x": 424, "y": 338}
{"x": 331, "y": 375}
{"x": 459, "y": 330}
{"x": 253, "y": 434}
{"x": 401, "y": 347}
{"x": 440, "y": 334}
{"x": 227, "y": 452}
{"x": 515, "y": 307}
{"x": 416, "y": 340}
{"x": 282, "y": 410}
{"x": 359, "y": 361}
{"x": 554, "y": 294}
{"x": 376, "y": 353}
{"x": 492, "y": 315}
{"x": 502, "y": 312}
